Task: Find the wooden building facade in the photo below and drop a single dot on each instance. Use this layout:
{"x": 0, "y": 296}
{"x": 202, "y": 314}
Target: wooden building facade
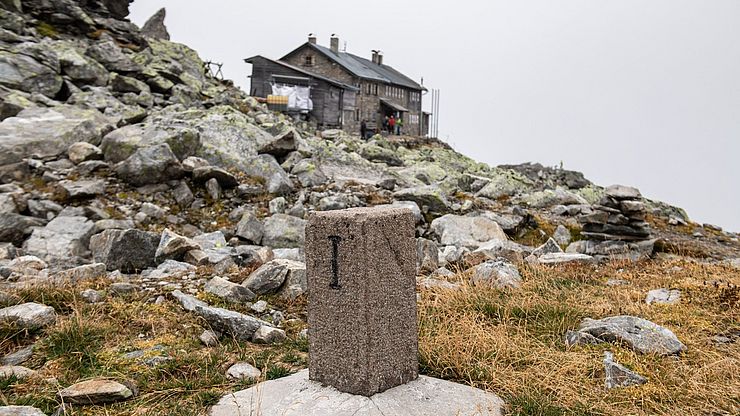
{"x": 379, "y": 90}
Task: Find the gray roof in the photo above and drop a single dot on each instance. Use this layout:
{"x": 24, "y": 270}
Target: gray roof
{"x": 303, "y": 71}
{"x": 365, "y": 68}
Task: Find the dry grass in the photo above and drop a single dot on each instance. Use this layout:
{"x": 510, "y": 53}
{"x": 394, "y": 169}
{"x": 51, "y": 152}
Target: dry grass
{"x": 511, "y": 342}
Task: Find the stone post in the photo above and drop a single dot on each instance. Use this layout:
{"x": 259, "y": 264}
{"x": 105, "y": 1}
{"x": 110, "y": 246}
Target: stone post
{"x": 361, "y": 266}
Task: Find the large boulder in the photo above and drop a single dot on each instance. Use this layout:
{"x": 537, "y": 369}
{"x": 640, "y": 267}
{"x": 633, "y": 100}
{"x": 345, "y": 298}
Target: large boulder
{"x": 238, "y": 325}
{"x": 120, "y": 144}
{"x": 48, "y": 132}
{"x": 154, "y": 27}
{"x": 150, "y": 165}
{"x": 471, "y": 232}
{"x": 266, "y": 168}
{"x": 28, "y": 315}
{"x": 129, "y": 251}
{"x": 62, "y": 240}
{"x": 112, "y": 57}
{"x": 283, "y": 231}
{"x": 96, "y": 391}
{"x": 29, "y": 72}
{"x": 429, "y": 195}
{"x": 500, "y": 274}
{"x": 271, "y": 276}
{"x": 14, "y": 228}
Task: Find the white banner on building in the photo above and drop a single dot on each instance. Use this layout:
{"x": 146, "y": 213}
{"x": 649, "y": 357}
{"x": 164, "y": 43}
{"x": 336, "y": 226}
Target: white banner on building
{"x": 298, "y": 96}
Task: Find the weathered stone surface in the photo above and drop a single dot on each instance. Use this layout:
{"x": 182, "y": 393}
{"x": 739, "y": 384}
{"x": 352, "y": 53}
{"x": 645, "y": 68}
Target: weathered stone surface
{"x": 639, "y": 334}
{"x": 470, "y": 232}
{"x": 29, "y": 73}
{"x": 224, "y": 178}
{"x": 18, "y": 357}
{"x": 243, "y": 371}
{"x": 209, "y": 338}
{"x": 560, "y": 258}
{"x": 48, "y": 132}
{"x": 618, "y": 375}
{"x": 173, "y": 246}
{"x": 309, "y": 173}
{"x": 82, "y": 189}
{"x": 427, "y": 256}
{"x": 268, "y": 335}
{"x": 92, "y": 295}
{"x": 14, "y": 228}
{"x": 189, "y": 303}
{"x": 663, "y": 297}
{"x": 250, "y": 228}
{"x": 85, "y": 272}
{"x": 228, "y": 291}
{"x": 238, "y": 325}
{"x": 20, "y": 411}
{"x": 96, "y": 391}
{"x": 107, "y": 53}
{"x": 283, "y": 231}
{"x": 82, "y": 152}
{"x": 154, "y": 27}
{"x": 499, "y": 274}
{"x": 562, "y": 235}
{"x": 429, "y": 195}
{"x": 549, "y": 197}
{"x": 126, "y": 250}
{"x": 361, "y": 267}
{"x": 120, "y": 144}
{"x": 28, "y": 315}
{"x": 271, "y": 276}
{"x": 150, "y": 165}
{"x": 551, "y": 246}
{"x": 296, "y": 395}
{"x": 621, "y": 192}
{"x": 123, "y": 84}
{"x": 268, "y": 169}
{"x": 63, "y": 239}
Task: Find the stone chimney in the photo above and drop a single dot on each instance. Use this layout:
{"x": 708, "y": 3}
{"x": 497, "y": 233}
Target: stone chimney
{"x": 334, "y": 44}
{"x": 380, "y": 58}
{"x": 375, "y": 57}
{"x": 311, "y": 38}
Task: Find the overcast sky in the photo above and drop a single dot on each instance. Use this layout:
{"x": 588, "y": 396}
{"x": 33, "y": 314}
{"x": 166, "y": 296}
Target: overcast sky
{"x": 637, "y": 92}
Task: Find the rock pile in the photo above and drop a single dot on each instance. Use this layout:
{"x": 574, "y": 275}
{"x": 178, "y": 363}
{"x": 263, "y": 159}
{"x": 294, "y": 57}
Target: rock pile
{"x": 619, "y": 215}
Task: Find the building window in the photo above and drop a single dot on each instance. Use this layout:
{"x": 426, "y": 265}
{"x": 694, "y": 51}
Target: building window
{"x": 375, "y": 89}
{"x": 309, "y": 60}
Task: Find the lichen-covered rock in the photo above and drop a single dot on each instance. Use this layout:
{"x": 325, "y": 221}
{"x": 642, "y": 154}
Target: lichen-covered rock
{"x": 639, "y": 334}
{"x": 269, "y": 170}
{"x": 618, "y": 375}
{"x": 82, "y": 152}
{"x": 129, "y": 251}
{"x": 112, "y": 57}
{"x": 467, "y": 231}
{"x": 428, "y": 195}
{"x": 29, "y": 73}
{"x": 120, "y": 144}
{"x": 149, "y": 165}
{"x": 154, "y": 27}
{"x": 283, "y": 231}
{"x": 48, "y": 132}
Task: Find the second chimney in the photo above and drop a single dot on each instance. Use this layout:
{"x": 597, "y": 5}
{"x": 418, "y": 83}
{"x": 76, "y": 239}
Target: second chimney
{"x": 312, "y": 39}
{"x": 334, "y": 44}
{"x": 375, "y": 57}
{"x": 380, "y": 59}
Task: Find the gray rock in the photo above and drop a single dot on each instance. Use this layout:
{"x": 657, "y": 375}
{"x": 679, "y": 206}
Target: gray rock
{"x": 122, "y": 288}
{"x": 62, "y": 240}
{"x": 549, "y": 197}
{"x": 379, "y": 154}
{"x": 120, "y": 83}
{"x": 48, "y": 132}
{"x": 309, "y": 173}
{"x": 28, "y": 315}
{"x": 26, "y": 265}
{"x": 92, "y": 295}
{"x": 173, "y": 246}
{"x": 82, "y": 189}
{"x": 259, "y": 306}
{"x": 560, "y": 258}
{"x": 273, "y": 274}
{"x": 562, "y": 235}
{"x": 618, "y": 375}
{"x": 210, "y": 241}
{"x": 250, "y": 228}
{"x": 551, "y": 246}
{"x": 154, "y": 27}
{"x": 19, "y": 357}
{"x": 224, "y": 178}
{"x": 454, "y": 254}
{"x": 508, "y": 223}
{"x": 150, "y": 165}
{"x": 120, "y": 144}
{"x": 254, "y": 256}
{"x": 183, "y": 195}
{"x": 81, "y": 68}
{"x": 495, "y": 249}
{"x": 20, "y": 372}
{"x": 266, "y": 168}
{"x": 85, "y": 272}
{"x": 621, "y": 192}
{"x": 268, "y": 335}
{"x": 107, "y": 53}
{"x": 283, "y": 231}
{"x": 213, "y": 189}
{"x": 499, "y": 274}
{"x": 282, "y": 144}
{"x": 278, "y": 205}
{"x": 170, "y": 269}
{"x": 97, "y": 391}
{"x": 126, "y": 250}
{"x": 230, "y": 292}
{"x": 238, "y": 325}
{"x": 243, "y": 371}
{"x": 432, "y": 283}
{"x": 639, "y": 334}
{"x": 82, "y": 152}
{"x": 663, "y": 297}
{"x": 28, "y": 73}
{"x": 430, "y": 196}
{"x": 103, "y": 225}
{"x": 296, "y": 393}
{"x": 189, "y": 303}
{"x": 191, "y": 163}
{"x": 15, "y": 228}
{"x": 209, "y": 338}
{"x": 467, "y": 231}
{"x": 427, "y": 256}
{"x": 295, "y": 254}
{"x": 20, "y": 411}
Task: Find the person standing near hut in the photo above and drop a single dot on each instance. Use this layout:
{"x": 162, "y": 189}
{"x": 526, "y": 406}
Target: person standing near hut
{"x": 363, "y": 129}
{"x": 391, "y": 125}
{"x": 399, "y": 126}
{"x": 385, "y": 123}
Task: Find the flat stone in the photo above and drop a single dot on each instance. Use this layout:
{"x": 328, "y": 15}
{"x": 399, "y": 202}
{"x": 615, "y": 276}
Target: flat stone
{"x": 20, "y": 411}
{"x": 95, "y": 392}
{"x": 618, "y": 375}
{"x": 19, "y": 357}
{"x": 238, "y": 325}
{"x": 63, "y": 239}
{"x": 497, "y": 273}
{"x": 209, "y": 338}
{"x": 82, "y": 189}
{"x": 268, "y": 335}
{"x": 361, "y": 266}
{"x": 283, "y": 231}
{"x": 663, "y": 297}
{"x": 173, "y": 246}
{"x": 85, "y": 272}
{"x": 243, "y": 371}
{"x": 228, "y": 291}
{"x": 639, "y": 334}
{"x": 296, "y": 395}
{"x": 561, "y": 258}
{"x": 28, "y": 315}
{"x": 621, "y": 192}
{"x": 188, "y": 302}
{"x": 470, "y": 232}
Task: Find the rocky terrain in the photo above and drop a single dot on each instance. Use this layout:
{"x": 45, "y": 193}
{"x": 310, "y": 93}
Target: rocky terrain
{"x": 151, "y": 232}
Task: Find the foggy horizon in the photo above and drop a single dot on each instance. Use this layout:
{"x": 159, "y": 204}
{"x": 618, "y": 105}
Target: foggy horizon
{"x": 645, "y": 94}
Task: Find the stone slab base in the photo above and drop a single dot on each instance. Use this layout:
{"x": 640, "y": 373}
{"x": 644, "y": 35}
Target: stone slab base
{"x": 296, "y": 395}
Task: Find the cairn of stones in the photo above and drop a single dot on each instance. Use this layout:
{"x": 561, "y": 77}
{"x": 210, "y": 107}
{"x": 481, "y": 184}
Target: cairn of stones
{"x": 619, "y": 216}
